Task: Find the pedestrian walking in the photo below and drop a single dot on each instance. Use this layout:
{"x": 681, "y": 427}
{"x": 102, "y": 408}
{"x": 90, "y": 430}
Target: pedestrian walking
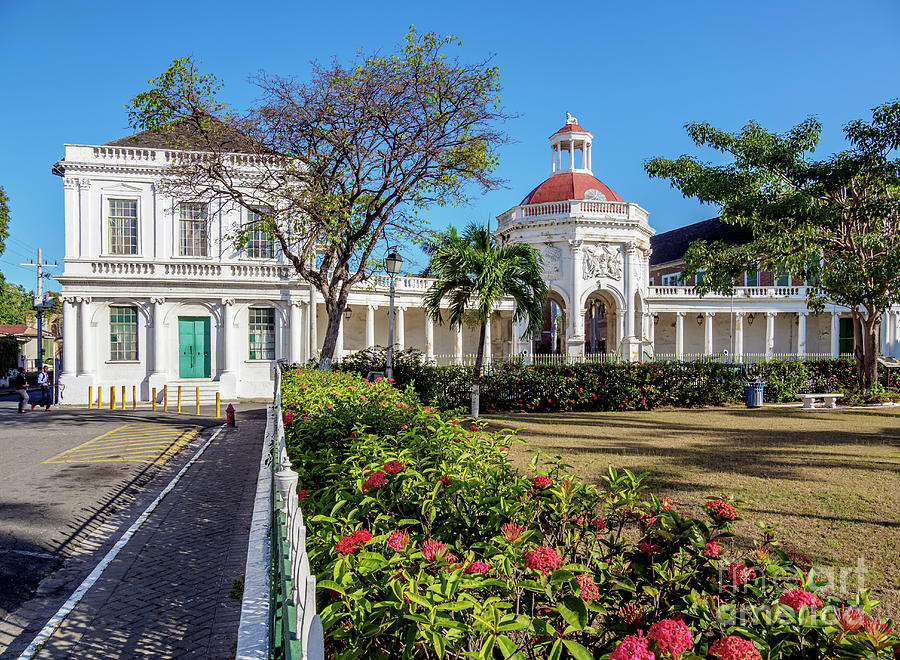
{"x": 44, "y": 381}
{"x": 20, "y": 385}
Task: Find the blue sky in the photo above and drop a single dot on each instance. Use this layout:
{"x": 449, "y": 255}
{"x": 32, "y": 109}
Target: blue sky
{"x": 632, "y": 72}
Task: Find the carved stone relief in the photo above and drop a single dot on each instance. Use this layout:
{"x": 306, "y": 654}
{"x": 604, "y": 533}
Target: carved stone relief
{"x": 601, "y": 261}
{"x": 552, "y": 257}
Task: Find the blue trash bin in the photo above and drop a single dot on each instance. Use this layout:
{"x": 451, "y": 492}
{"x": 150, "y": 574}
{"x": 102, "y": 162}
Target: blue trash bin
{"x": 754, "y": 394}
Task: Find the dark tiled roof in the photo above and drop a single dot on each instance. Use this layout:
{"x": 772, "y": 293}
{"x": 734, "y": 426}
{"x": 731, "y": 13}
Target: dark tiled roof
{"x": 187, "y": 137}
{"x": 671, "y": 245}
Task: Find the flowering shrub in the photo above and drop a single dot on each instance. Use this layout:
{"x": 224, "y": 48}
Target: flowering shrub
{"x": 426, "y": 543}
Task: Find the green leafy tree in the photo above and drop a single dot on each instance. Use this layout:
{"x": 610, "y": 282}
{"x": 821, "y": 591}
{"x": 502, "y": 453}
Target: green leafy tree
{"x": 474, "y": 274}
{"x": 15, "y": 303}
{"x": 834, "y": 222}
{"x": 339, "y": 164}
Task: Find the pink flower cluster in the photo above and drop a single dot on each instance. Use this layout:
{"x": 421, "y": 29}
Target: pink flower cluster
{"x": 541, "y": 481}
{"x": 434, "y": 550}
{"x": 393, "y": 467}
{"x": 733, "y": 647}
{"x": 398, "y": 540}
{"x": 477, "y": 567}
{"x": 672, "y": 636}
{"x": 511, "y": 531}
{"x": 598, "y": 523}
{"x": 633, "y": 647}
{"x": 375, "y": 480}
{"x": 288, "y": 417}
{"x": 648, "y": 549}
{"x": 542, "y": 559}
{"x": 631, "y": 613}
{"x": 588, "y": 590}
{"x": 850, "y": 619}
{"x": 721, "y": 510}
{"x": 348, "y": 544}
{"x": 739, "y": 574}
{"x": 712, "y": 550}
{"x": 797, "y": 598}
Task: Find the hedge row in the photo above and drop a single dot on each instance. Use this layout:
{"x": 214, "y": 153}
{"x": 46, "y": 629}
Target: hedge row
{"x": 427, "y": 544}
{"x": 609, "y": 386}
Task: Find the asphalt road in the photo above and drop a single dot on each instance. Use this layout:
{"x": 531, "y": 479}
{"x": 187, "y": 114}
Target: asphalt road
{"x": 69, "y": 477}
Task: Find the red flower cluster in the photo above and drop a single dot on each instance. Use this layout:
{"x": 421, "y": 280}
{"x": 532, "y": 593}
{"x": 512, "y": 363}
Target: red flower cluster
{"x": 398, "y": 540}
{"x": 477, "y": 567}
{"x": 541, "y": 481}
{"x": 672, "y": 636}
{"x": 587, "y": 587}
{"x": 375, "y": 480}
{"x": 797, "y": 598}
{"x": 444, "y": 479}
{"x": 850, "y": 620}
{"x": 721, "y": 510}
{"x": 598, "y": 523}
{"x": 542, "y": 559}
{"x": 348, "y": 544}
{"x": 712, "y": 550}
{"x": 301, "y": 494}
{"x": 288, "y": 418}
{"x": 739, "y": 573}
{"x": 633, "y": 647}
{"x": 648, "y": 549}
{"x": 733, "y": 647}
{"x": 631, "y": 613}
{"x": 393, "y": 467}
{"x": 511, "y": 531}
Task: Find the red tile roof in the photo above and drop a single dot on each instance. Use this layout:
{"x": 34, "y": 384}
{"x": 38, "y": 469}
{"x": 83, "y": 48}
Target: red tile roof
{"x": 572, "y": 127}
{"x": 13, "y": 329}
{"x": 569, "y": 185}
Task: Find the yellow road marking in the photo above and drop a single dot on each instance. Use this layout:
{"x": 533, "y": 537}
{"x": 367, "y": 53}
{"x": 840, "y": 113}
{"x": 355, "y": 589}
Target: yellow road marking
{"x": 141, "y": 443}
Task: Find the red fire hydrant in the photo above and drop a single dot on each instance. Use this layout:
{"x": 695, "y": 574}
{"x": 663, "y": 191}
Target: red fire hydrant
{"x": 229, "y": 415}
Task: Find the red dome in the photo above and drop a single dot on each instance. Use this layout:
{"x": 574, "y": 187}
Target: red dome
{"x": 572, "y": 127}
{"x": 571, "y": 185}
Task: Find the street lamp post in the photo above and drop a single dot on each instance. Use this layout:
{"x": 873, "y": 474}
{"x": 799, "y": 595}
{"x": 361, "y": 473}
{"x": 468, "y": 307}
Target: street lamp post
{"x": 392, "y": 264}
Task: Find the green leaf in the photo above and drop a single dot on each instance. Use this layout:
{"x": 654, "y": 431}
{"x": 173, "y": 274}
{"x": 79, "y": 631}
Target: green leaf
{"x": 579, "y": 652}
{"x": 509, "y": 648}
{"x": 574, "y": 612}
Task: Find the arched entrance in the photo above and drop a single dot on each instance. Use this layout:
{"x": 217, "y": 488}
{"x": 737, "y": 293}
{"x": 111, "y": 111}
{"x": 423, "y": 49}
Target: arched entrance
{"x": 552, "y": 340}
{"x": 600, "y": 323}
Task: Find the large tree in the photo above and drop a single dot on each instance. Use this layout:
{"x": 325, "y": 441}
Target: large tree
{"x": 835, "y": 222}
{"x": 473, "y": 273}
{"x": 343, "y": 163}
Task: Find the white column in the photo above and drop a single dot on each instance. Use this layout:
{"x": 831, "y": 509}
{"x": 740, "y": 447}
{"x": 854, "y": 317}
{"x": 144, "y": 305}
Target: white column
{"x": 70, "y": 338}
{"x": 801, "y": 332}
{"x": 487, "y": 340}
{"x": 739, "y": 335}
{"x": 835, "y": 334}
{"x": 296, "y": 331}
{"x": 629, "y": 290}
{"x": 708, "y": 332}
{"x": 87, "y": 337}
{"x": 770, "y": 333}
{"x": 553, "y": 159}
{"x": 571, "y": 154}
{"x": 86, "y": 224}
{"x": 370, "y": 325}
{"x": 228, "y": 347}
{"x": 459, "y": 345}
{"x": 429, "y": 337}
{"x": 679, "y": 335}
{"x": 575, "y": 331}
{"x": 651, "y": 331}
{"x": 400, "y": 318}
{"x": 159, "y": 337}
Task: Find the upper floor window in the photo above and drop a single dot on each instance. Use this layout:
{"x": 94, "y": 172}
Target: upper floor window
{"x": 259, "y": 243}
{"x": 751, "y": 278}
{"x": 782, "y": 279}
{"x": 123, "y": 226}
{"x": 192, "y": 230}
{"x": 699, "y": 277}
{"x": 123, "y": 332}
{"x": 262, "y": 333}
{"x": 672, "y": 279}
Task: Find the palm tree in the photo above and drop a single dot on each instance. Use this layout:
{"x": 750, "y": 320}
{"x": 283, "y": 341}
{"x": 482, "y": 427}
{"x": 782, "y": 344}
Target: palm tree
{"x": 473, "y": 270}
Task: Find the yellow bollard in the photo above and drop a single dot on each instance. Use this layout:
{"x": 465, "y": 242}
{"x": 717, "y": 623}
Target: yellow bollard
{"x": 218, "y": 408}
{"x": 165, "y": 398}
{"x": 179, "y": 399}
{"x": 134, "y": 397}
{"x": 112, "y": 397}
{"x": 197, "y": 401}
{"x": 123, "y": 397}
{"x": 99, "y": 397}
{"x": 90, "y": 396}
{"x": 154, "y": 399}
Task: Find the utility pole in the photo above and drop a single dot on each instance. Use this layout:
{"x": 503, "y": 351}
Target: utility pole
{"x": 39, "y": 303}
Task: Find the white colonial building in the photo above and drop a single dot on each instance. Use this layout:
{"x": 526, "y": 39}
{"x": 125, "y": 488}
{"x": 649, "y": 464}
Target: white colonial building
{"x": 155, "y": 294}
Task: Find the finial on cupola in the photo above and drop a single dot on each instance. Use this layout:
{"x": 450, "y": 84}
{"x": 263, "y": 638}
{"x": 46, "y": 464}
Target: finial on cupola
{"x": 570, "y": 119}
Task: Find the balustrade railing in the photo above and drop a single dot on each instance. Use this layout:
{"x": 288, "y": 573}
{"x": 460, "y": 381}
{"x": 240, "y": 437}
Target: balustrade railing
{"x": 739, "y": 292}
{"x": 295, "y": 630}
{"x": 619, "y": 210}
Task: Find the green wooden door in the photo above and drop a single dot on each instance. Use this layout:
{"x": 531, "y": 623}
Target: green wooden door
{"x": 193, "y": 347}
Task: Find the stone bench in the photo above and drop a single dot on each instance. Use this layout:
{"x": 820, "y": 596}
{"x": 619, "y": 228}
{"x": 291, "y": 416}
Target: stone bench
{"x": 809, "y": 400}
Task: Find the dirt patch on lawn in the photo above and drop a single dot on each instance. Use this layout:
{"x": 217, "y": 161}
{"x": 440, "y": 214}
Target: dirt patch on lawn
{"x": 828, "y": 480}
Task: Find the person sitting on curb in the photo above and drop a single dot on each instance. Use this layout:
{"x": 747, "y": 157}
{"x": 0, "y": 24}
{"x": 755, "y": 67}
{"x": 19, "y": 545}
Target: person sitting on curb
{"x": 43, "y": 380}
{"x": 19, "y": 384}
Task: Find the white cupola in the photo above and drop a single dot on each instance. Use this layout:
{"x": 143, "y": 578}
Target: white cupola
{"x": 571, "y": 138}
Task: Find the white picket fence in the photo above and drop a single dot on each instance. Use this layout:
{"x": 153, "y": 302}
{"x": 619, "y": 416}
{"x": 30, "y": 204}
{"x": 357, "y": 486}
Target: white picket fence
{"x": 555, "y": 359}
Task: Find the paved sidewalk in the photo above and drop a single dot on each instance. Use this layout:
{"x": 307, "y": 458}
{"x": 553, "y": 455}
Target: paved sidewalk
{"x": 167, "y": 594}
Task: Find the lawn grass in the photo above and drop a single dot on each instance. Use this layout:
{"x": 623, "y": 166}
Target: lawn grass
{"x": 828, "y": 480}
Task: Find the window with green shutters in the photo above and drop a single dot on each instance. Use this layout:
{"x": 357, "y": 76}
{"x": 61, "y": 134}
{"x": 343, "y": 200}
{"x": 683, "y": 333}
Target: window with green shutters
{"x": 845, "y": 336}
{"x": 123, "y": 334}
{"x": 262, "y": 334}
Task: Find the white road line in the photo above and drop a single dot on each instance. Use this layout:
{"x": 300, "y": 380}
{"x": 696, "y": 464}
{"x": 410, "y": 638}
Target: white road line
{"x": 89, "y": 581}
{"x": 29, "y": 553}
